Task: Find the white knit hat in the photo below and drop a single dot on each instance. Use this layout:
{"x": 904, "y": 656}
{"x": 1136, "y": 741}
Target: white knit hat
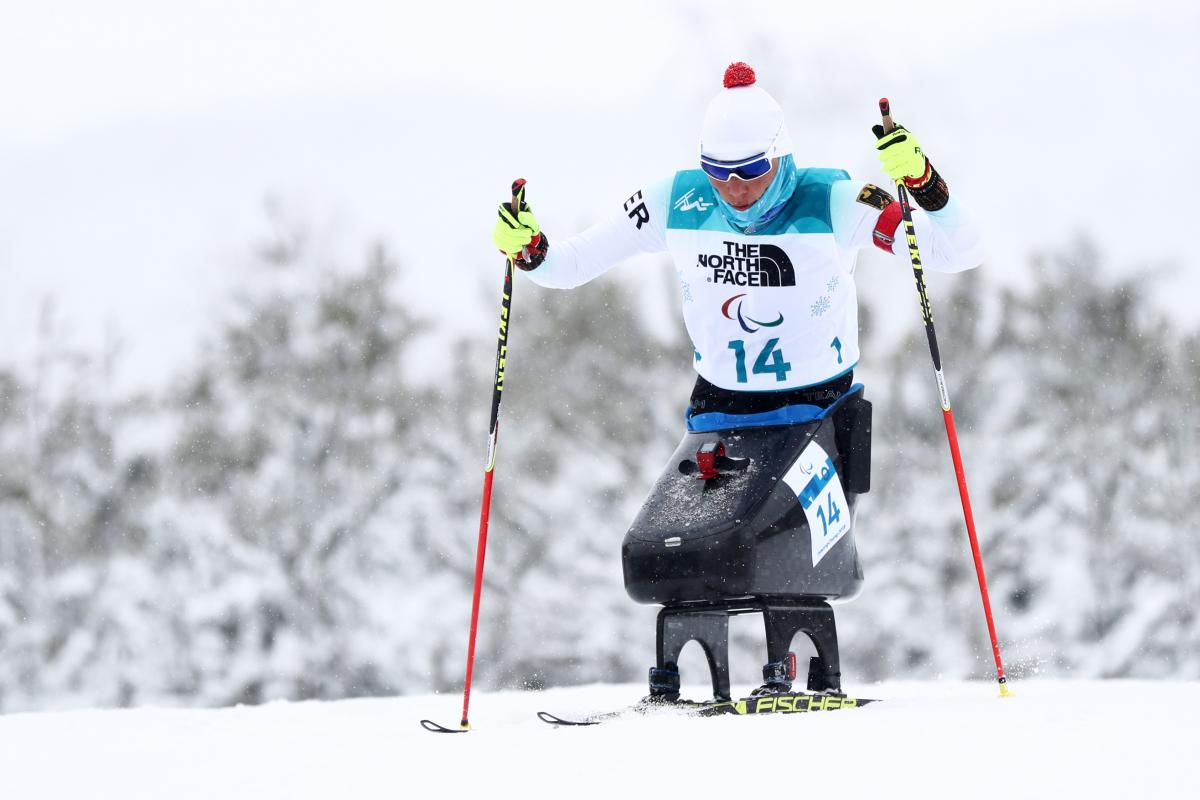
{"x": 743, "y": 120}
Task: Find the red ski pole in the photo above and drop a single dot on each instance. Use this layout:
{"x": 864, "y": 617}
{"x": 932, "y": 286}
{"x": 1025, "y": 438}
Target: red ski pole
{"x": 518, "y": 191}
{"x": 947, "y": 414}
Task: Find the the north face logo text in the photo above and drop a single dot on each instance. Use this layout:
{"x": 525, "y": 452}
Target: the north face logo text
{"x": 749, "y": 265}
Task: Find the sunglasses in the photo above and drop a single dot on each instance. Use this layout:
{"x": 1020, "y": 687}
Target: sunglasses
{"x": 745, "y": 168}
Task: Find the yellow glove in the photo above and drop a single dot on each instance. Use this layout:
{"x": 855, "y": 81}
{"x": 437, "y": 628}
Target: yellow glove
{"x": 901, "y": 155}
{"x": 520, "y": 238}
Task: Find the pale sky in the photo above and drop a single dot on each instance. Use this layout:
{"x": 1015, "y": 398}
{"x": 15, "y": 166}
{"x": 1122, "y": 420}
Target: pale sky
{"x": 138, "y": 140}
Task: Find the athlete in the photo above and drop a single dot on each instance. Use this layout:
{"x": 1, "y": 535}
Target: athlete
{"x": 764, "y": 250}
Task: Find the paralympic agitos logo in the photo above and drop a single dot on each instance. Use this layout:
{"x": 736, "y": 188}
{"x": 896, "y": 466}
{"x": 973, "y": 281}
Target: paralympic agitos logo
{"x": 729, "y": 311}
{"x": 749, "y": 265}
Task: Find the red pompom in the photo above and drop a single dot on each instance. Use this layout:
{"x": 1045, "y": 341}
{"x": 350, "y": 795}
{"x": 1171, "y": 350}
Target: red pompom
{"x": 739, "y": 74}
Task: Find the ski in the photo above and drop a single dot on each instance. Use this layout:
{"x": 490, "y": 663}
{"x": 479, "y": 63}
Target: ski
{"x": 641, "y": 709}
{"x": 783, "y": 703}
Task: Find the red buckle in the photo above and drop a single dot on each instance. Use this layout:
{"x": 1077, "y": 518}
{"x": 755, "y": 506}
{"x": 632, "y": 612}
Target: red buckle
{"x": 706, "y": 460}
{"x": 791, "y": 666}
{"x": 885, "y": 227}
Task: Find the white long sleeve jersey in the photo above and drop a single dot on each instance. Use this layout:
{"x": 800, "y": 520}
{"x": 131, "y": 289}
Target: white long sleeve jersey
{"x": 772, "y": 308}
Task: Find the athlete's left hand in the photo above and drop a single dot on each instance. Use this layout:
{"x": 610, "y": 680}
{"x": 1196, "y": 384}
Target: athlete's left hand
{"x": 901, "y": 154}
{"x": 520, "y": 236}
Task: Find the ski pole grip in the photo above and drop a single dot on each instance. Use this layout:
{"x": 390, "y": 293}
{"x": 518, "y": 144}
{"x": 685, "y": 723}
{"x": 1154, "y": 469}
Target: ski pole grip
{"x": 518, "y": 186}
{"x": 885, "y": 108}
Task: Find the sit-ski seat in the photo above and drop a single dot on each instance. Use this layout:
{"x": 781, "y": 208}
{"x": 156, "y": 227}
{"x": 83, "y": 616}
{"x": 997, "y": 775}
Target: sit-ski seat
{"x": 754, "y": 512}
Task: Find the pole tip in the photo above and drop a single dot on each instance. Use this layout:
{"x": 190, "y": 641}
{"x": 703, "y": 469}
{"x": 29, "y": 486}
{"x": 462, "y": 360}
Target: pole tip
{"x": 885, "y": 110}
{"x": 518, "y": 194}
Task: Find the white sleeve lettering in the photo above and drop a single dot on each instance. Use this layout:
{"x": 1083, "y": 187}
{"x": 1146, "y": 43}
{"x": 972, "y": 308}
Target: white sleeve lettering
{"x": 640, "y": 226}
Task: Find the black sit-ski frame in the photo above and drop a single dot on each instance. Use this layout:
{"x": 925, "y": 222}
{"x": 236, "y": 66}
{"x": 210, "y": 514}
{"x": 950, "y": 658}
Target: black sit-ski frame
{"x": 708, "y": 624}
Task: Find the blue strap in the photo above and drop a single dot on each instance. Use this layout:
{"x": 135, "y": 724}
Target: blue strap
{"x": 798, "y": 414}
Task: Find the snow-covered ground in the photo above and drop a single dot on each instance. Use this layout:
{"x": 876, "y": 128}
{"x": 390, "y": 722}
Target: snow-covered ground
{"x": 956, "y": 740}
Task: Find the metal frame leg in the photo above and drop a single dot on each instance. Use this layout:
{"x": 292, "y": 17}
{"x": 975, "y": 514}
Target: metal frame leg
{"x": 677, "y": 627}
{"x": 817, "y": 622}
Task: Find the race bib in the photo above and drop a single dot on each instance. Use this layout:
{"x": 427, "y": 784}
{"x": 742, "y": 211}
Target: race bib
{"x": 815, "y": 481}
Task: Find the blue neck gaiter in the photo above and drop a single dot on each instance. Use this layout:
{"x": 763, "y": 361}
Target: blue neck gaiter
{"x": 771, "y": 202}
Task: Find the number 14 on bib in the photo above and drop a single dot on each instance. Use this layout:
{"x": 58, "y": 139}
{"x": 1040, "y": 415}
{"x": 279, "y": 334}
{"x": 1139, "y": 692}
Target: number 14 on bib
{"x": 818, "y": 488}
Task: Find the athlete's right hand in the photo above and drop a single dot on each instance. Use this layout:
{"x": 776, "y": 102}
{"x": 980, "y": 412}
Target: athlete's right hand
{"x": 520, "y": 237}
